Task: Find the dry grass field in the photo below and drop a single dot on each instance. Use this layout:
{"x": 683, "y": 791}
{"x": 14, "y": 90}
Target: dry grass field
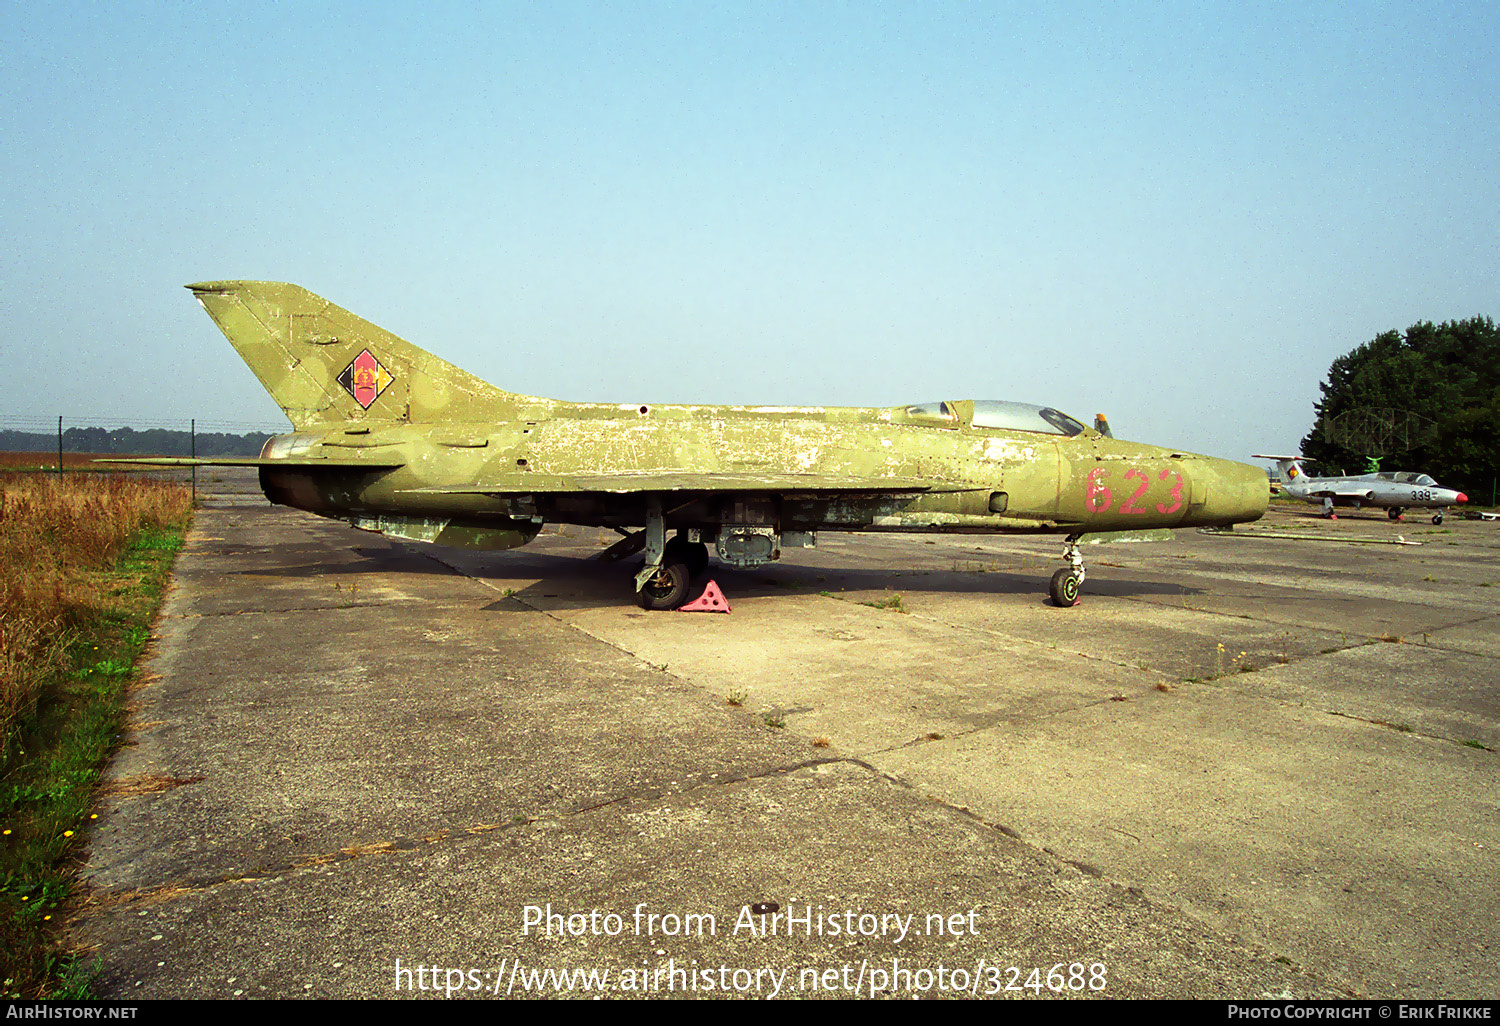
{"x": 84, "y": 558}
{"x": 58, "y": 536}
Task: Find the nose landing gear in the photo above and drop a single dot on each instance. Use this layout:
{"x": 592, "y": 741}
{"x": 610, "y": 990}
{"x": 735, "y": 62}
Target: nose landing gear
{"x": 1065, "y": 583}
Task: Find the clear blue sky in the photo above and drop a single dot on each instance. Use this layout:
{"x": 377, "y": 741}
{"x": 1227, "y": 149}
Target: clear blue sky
{"x": 1178, "y": 214}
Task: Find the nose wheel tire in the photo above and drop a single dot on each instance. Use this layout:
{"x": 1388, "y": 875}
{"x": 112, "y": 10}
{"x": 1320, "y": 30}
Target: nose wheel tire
{"x": 1437, "y": 518}
{"x": 667, "y": 588}
{"x": 1064, "y": 588}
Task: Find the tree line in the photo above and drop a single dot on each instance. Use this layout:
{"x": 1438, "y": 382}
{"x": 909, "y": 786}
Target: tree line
{"x": 129, "y": 442}
{"x": 1448, "y": 375}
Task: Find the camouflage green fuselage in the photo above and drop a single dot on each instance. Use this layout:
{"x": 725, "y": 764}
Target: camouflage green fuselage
{"x": 991, "y": 480}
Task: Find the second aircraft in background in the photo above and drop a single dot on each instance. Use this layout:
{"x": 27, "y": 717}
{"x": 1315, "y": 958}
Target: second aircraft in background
{"x": 1395, "y": 491}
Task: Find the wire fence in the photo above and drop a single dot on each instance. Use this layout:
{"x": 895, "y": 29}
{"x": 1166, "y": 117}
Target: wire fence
{"x": 133, "y": 436}
{"x": 48, "y": 425}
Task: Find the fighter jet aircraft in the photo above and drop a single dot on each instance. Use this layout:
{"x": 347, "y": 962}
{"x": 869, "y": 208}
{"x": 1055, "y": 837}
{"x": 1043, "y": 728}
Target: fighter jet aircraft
{"x": 1396, "y": 491}
{"x": 392, "y": 439}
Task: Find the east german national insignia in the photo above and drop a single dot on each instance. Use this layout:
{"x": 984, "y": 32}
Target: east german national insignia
{"x": 365, "y": 378}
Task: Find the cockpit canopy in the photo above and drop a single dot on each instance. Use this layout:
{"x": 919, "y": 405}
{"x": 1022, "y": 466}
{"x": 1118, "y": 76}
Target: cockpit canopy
{"x": 1005, "y": 416}
{"x": 1406, "y": 477}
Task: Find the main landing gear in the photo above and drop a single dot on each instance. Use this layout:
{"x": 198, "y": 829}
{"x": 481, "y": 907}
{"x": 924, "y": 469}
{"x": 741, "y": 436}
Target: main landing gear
{"x": 682, "y": 562}
{"x": 670, "y": 565}
{"x": 1065, "y": 582}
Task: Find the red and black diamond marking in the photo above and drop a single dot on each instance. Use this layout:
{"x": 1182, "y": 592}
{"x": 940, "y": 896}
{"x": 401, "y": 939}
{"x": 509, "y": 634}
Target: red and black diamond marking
{"x": 365, "y": 378}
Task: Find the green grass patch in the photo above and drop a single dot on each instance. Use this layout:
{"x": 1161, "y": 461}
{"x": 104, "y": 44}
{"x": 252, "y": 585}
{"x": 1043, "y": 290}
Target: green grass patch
{"x": 52, "y": 766}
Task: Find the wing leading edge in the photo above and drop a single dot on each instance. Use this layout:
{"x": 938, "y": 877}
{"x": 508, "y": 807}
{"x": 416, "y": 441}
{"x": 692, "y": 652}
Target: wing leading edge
{"x": 300, "y": 463}
{"x": 531, "y": 483}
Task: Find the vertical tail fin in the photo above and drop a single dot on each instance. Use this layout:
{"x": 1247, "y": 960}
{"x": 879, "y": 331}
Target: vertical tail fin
{"x": 1289, "y": 467}
{"x": 323, "y": 364}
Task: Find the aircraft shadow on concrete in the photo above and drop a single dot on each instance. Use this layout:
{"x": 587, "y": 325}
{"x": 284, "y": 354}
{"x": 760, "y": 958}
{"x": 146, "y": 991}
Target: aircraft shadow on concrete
{"x": 581, "y": 580}
{"x": 367, "y": 560}
{"x": 588, "y": 584}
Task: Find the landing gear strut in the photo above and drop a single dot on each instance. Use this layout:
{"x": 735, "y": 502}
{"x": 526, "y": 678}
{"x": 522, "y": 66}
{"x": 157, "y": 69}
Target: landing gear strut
{"x": 1065, "y": 582}
{"x": 661, "y": 584}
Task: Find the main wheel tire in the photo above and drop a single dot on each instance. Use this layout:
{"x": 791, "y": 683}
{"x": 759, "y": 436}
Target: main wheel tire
{"x": 694, "y": 554}
{"x": 667, "y": 588}
{"x": 1395, "y": 512}
{"x": 1064, "y": 589}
